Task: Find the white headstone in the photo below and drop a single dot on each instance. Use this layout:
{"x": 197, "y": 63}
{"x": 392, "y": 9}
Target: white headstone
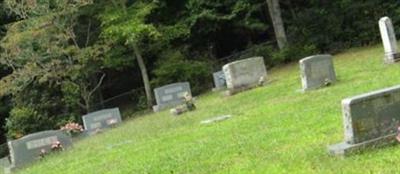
{"x": 244, "y": 74}
{"x": 389, "y": 40}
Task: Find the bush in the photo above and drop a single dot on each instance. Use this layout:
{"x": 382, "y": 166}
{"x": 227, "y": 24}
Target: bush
{"x": 173, "y": 67}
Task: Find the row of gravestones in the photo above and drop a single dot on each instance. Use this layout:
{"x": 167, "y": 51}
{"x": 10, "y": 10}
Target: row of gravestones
{"x": 370, "y": 120}
{"x": 29, "y": 148}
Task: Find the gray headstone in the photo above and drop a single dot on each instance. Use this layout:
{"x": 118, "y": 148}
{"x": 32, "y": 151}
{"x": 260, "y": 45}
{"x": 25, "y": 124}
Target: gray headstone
{"x": 219, "y": 80}
{"x": 317, "y": 71}
{"x": 244, "y": 74}
{"x": 102, "y": 119}
{"x": 369, "y": 119}
{"x": 4, "y": 162}
{"x": 389, "y": 40}
{"x": 170, "y": 95}
{"x": 27, "y": 149}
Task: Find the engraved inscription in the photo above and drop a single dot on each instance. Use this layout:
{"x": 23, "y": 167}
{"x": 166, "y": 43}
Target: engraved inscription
{"x": 95, "y": 125}
{"x": 167, "y": 98}
{"x": 34, "y": 144}
{"x": 102, "y": 117}
{"x": 173, "y": 90}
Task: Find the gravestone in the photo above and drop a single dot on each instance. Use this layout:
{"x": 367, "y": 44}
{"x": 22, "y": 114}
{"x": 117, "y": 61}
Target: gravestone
{"x": 28, "y": 148}
{"x": 244, "y": 74}
{"x": 170, "y": 95}
{"x": 389, "y": 40}
{"x": 4, "y": 162}
{"x": 219, "y": 80}
{"x": 317, "y": 71}
{"x": 102, "y": 119}
{"x": 369, "y": 120}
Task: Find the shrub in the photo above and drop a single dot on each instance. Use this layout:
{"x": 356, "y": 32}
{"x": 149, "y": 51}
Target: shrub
{"x": 173, "y": 67}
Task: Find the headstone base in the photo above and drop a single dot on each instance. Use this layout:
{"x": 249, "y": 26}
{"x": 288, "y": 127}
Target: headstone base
{"x": 392, "y": 58}
{"x": 344, "y": 148}
{"x": 231, "y": 92}
{"x": 159, "y": 108}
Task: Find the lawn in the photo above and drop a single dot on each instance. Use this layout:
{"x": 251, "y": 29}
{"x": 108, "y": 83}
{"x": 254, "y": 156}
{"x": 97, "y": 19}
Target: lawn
{"x": 273, "y": 129}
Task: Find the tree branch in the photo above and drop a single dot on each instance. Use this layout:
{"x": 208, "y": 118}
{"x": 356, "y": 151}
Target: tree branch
{"x": 88, "y": 33}
{"x": 97, "y": 86}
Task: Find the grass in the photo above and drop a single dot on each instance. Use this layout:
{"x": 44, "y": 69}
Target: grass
{"x": 274, "y": 129}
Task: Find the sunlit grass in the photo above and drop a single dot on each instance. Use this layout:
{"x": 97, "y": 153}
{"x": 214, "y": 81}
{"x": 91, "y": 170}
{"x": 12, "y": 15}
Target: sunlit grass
{"x": 274, "y": 129}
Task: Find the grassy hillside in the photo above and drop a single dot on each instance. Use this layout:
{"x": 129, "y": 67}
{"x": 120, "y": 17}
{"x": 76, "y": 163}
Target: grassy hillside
{"x": 274, "y": 129}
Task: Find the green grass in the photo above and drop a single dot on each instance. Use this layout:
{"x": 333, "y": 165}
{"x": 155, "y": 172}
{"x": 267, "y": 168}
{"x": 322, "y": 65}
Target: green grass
{"x": 274, "y": 129}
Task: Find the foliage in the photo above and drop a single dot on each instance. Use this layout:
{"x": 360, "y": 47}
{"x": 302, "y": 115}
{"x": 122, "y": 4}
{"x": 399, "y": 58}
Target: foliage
{"x": 173, "y": 67}
{"x": 336, "y": 25}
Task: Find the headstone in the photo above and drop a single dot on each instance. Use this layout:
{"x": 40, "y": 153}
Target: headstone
{"x": 219, "y": 80}
{"x": 28, "y": 148}
{"x": 4, "y": 162}
{"x": 369, "y": 120}
{"x": 102, "y": 119}
{"x": 317, "y": 71}
{"x": 170, "y": 95}
{"x": 389, "y": 40}
{"x": 244, "y": 74}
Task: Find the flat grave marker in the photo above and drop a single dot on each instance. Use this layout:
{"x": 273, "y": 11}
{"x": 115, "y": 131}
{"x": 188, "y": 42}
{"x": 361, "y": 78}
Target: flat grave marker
{"x": 370, "y": 119}
{"x": 317, "y": 71}
{"x": 219, "y": 80}
{"x": 171, "y": 95}
{"x": 28, "y": 148}
{"x": 102, "y": 119}
{"x": 244, "y": 74}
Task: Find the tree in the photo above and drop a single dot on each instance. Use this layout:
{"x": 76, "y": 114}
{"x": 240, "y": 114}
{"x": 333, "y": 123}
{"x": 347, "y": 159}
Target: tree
{"x": 128, "y": 24}
{"x": 54, "y": 70}
{"x": 275, "y": 13}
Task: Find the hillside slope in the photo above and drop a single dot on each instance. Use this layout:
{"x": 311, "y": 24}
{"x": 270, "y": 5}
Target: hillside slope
{"x": 274, "y": 129}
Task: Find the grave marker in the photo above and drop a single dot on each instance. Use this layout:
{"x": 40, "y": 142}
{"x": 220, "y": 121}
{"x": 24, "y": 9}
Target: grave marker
{"x": 170, "y": 95}
{"x": 28, "y": 148}
{"x": 244, "y": 74}
{"x": 219, "y": 80}
{"x": 105, "y": 118}
{"x": 369, "y": 119}
{"x": 317, "y": 71}
{"x": 389, "y": 40}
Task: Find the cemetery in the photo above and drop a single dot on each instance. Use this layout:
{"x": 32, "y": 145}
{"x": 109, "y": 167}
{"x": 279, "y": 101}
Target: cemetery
{"x": 199, "y": 87}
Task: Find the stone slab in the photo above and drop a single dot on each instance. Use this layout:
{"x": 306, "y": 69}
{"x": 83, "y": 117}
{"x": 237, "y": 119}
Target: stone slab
{"x": 171, "y": 95}
{"x": 371, "y": 118}
{"x": 389, "y": 40}
{"x": 317, "y": 71}
{"x": 27, "y": 149}
{"x": 219, "y": 80}
{"x": 102, "y": 119}
{"x": 216, "y": 119}
{"x": 244, "y": 74}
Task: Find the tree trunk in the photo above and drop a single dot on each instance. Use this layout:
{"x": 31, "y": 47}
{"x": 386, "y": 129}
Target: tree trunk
{"x": 145, "y": 76}
{"x": 275, "y": 13}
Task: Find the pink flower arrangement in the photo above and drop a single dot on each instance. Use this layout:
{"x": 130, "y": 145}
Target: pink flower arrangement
{"x": 72, "y": 128}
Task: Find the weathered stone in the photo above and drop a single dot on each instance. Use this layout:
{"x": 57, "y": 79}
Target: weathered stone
{"x": 244, "y": 74}
{"x": 369, "y": 120}
{"x": 28, "y": 148}
{"x": 219, "y": 80}
{"x": 216, "y": 119}
{"x": 102, "y": 119}
{"x": 170, "y": 95}
{"x": 317, "y": 71}
{"x": 389, "y": 40}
